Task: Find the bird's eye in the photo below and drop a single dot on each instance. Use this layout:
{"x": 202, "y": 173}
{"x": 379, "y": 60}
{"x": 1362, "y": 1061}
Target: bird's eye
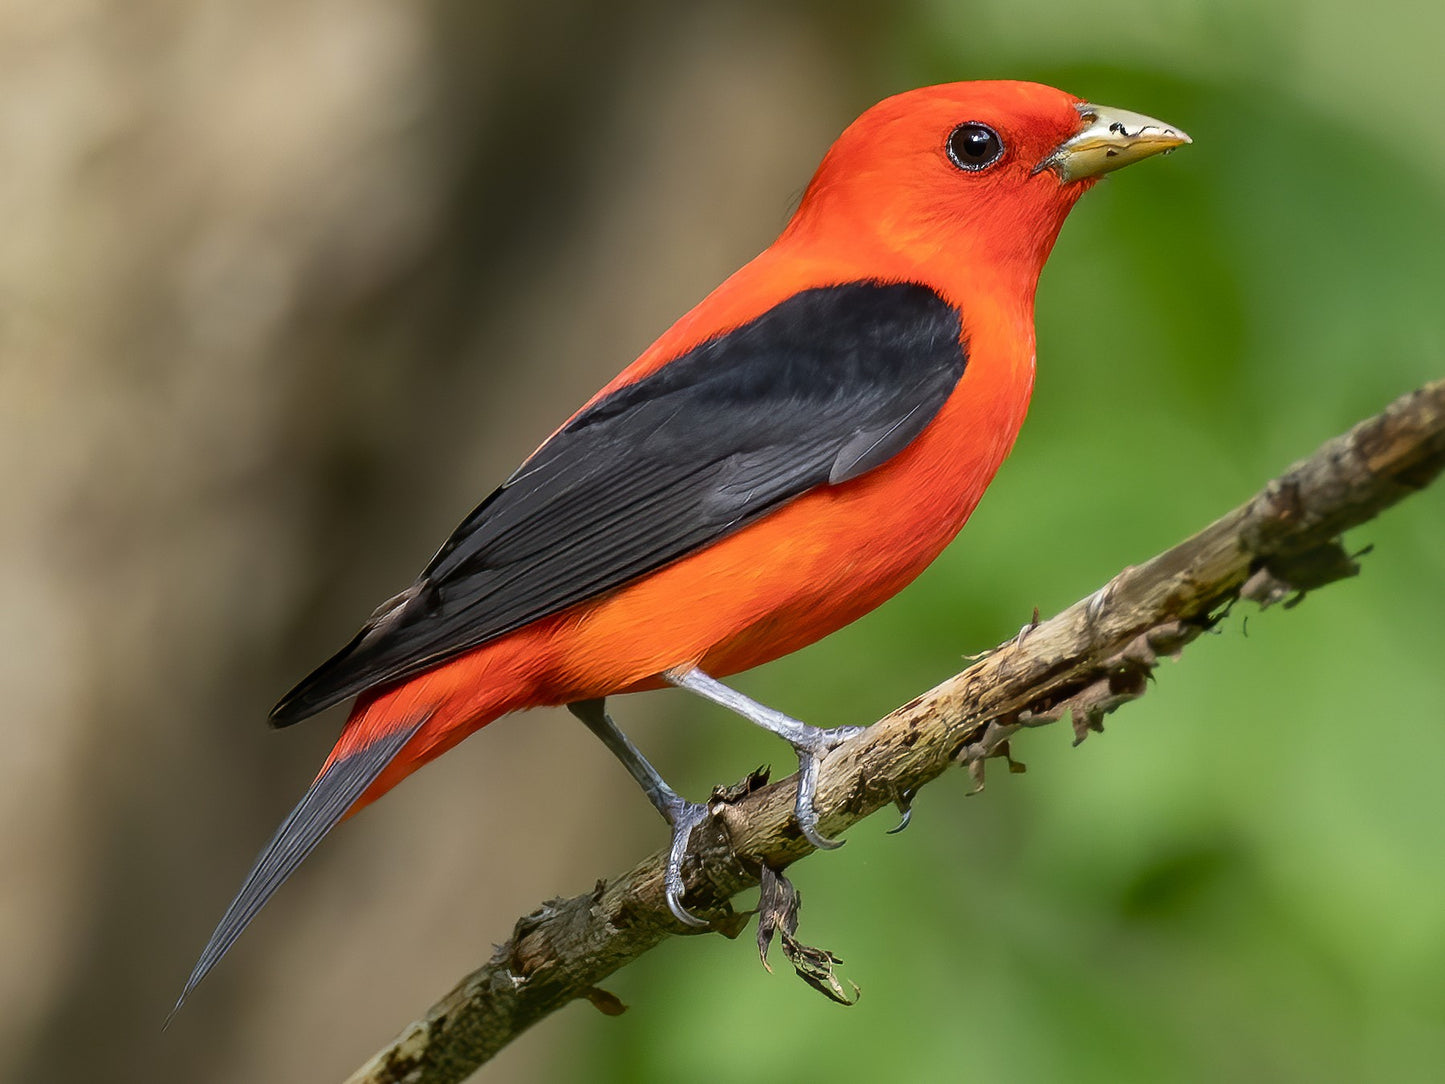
{"x": 974, "y": 146}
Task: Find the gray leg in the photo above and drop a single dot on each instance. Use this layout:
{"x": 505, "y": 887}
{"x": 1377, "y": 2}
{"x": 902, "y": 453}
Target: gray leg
{"x": 811, "y": 743}
{"x": 683, "y": 815}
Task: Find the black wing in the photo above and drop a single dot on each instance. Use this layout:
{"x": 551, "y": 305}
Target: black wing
{"x": 819, "y": 389}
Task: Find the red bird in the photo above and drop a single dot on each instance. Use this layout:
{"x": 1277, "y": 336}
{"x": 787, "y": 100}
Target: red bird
{"x": 784, "y": 458}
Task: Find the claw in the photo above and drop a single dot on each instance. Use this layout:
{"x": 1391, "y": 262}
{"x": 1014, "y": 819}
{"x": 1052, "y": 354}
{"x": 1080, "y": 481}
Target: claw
{"x": 684, "y": 818}
{"x": 811, "y": 748}
{"x": 1099, "y": 601}
{"x": 803, "y": 808}
{"x": 1025, "y": 630}
{"x": 904, "y": 801}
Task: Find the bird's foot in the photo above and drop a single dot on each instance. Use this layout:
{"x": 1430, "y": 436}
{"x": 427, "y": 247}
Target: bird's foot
{"x": 812, "y": 744}
{"x": 684, "y": 816}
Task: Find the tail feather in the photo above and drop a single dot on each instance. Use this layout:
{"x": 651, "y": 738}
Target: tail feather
{"x": 335, "y": 791}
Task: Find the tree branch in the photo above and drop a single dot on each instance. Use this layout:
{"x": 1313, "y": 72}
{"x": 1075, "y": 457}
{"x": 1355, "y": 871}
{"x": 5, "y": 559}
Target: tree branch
{"x": 1083, "y": 662}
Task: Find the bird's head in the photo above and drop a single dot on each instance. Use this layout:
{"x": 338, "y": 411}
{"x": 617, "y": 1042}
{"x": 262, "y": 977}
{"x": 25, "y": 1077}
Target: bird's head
{"x": 970, "y": 176}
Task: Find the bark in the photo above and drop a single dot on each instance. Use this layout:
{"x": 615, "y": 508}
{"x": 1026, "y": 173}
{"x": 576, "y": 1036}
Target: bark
{"x": 1082, "y": 663}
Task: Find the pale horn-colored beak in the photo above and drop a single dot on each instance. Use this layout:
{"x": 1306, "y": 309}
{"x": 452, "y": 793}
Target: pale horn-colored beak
{"x": 1111, "y": 138}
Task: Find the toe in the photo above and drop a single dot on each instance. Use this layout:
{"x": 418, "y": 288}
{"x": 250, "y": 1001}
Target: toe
{"x": 687, "y": 817}
{"x": 804, "y": 808}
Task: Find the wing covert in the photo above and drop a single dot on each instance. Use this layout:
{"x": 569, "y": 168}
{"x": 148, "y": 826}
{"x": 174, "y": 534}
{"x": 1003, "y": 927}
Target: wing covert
{"x": 822, "y": 388}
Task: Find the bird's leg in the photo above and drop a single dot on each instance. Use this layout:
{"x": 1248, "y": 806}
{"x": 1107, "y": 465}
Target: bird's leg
{"x": 811, "y": 743}
{"x": 681, "y": 814}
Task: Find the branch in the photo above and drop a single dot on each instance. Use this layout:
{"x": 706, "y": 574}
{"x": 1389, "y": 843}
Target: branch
{"x": 1083, "y": 662}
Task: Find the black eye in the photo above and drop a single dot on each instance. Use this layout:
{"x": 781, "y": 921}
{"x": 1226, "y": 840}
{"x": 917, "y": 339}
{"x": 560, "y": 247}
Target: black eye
{"x": 974, "y": 146}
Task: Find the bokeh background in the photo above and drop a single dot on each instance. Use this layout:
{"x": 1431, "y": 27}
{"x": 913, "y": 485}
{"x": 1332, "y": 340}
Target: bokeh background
{"x": 286, "y": 286}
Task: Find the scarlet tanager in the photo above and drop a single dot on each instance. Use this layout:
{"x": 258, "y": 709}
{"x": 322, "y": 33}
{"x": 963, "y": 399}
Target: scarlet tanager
{"x": 787, "y": 456}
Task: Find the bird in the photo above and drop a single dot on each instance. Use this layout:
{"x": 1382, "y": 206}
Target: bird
{"x": 788, "y": 455}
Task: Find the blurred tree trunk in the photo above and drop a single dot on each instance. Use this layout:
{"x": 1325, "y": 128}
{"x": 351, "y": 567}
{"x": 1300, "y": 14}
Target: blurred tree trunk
{"x": 271, "y": 274}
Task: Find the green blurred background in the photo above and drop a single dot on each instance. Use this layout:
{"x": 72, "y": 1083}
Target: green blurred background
{"x": 287, "y": 286}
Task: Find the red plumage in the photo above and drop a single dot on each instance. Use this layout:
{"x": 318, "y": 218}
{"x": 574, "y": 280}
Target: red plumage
{"x": 784, "y": 375}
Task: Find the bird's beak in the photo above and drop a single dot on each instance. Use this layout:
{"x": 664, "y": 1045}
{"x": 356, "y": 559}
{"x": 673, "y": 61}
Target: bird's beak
{"x": 1111, "y": 138}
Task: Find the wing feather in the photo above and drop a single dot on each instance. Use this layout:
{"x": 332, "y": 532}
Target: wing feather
{"x": 825, "y": 386}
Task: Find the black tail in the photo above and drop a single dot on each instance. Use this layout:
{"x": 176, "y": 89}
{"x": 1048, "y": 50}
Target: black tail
{"x": 326, "y": 802}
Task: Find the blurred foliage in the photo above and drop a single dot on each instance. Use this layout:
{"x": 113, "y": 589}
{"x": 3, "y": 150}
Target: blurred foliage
{"x": 1241, "y": 879}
